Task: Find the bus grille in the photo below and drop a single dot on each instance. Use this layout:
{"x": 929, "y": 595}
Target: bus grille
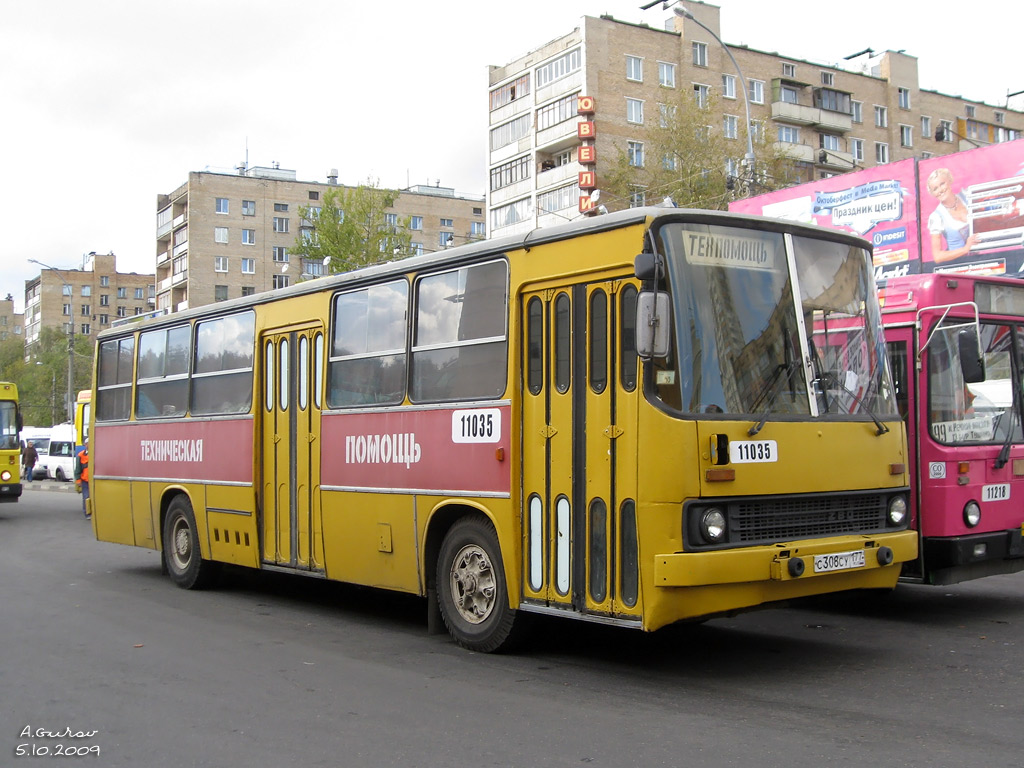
{"x": 772, "y": 520}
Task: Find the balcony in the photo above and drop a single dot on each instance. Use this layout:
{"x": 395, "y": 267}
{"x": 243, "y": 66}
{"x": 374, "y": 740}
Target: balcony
{"x": 162, "y": 257}
{"x": 560, "y": 173}
{"x": 797, "y": 114}
{"x": 840, "y": 161}
{"x": 802, "y": 153}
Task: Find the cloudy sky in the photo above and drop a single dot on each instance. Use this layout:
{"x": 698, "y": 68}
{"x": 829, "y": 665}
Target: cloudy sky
{"x": 109, "y": 103}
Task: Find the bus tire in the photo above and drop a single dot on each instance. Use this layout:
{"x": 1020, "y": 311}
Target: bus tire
{"x": 181, "y": 553}
{"x": 471, "y": 589}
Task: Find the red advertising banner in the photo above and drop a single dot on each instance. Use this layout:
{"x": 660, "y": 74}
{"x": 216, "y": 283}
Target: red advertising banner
{"x": 962, "y": 212}
{"x": 972, "y": 211}
{"x": 878, "y": 204}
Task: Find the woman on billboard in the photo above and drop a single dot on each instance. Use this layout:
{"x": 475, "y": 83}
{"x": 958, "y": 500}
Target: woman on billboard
{"x": 948, "y": 224}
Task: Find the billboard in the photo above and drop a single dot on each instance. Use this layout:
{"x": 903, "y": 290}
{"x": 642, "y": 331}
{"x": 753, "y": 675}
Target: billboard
{"x": 962, "y": 212}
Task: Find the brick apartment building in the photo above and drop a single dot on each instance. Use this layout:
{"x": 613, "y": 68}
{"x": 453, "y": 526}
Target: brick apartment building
{"x": 11, "y": 322}
{"x": 224, "y": 235}
{"x": 832, "y": 118}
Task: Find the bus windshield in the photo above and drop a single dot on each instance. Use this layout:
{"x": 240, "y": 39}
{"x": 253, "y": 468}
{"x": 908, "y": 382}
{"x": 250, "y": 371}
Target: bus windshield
{"x": 8, "y": 425}
{"x": 746, "y": 348}
{"x": 979, "y": 412}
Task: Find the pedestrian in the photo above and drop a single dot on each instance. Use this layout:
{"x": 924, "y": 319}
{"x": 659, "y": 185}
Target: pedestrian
{"x": 82, "y": 476}
{"x": 29, "y": 457}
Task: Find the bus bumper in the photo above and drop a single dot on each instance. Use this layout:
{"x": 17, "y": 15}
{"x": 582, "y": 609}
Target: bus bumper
{"x": 949, "y": 560}
{"x": 790, "y": 562}
{"x": 10, "y": 492}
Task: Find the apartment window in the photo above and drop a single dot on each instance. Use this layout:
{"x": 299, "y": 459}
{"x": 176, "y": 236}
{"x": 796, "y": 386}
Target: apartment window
{"x": 557, "y": 112}
{"x": 903, "y": 95}
{"x": 220, "y": 263}
{"x": 561, "y": 158}
{"x": 700, "y": 54}
{"x": 558, "y": 68}
{"x": 446, "y": 223}
{"x": 635, "y": 153}
{"x": 700, "y": 93}
{"x": 946, "y": 129}
{"x": 87, "y": 290}
{"x": 635, "y": 69}
{"x": 222, "y": 205}
{"x": 280, "y": 224}
{"x": 666, "y": 74}
{"x": 312, "y": 196}
{"x": 104, "y": 319}
{"x": 637, "y": 197}
{"x": 67, "y": 309}
{"x": 925, "y": 155}
{"x": 476, "y": 229}
{"x": 788, "y": 70}
{"x": 220, "y": 293}
{"x": 416, "y": 222}
{"x": 122, "y": 311}
{"x": 829, "y": 142}
{"x": 281, "y": 281}
{"x": 248, "y": 266}
{"x": 280, "y": 253}
{"x": 906, "y": 136}
{"x": 138, "y": 310}
{"x": 416, "y": 249}
{"x": 857, "y": 111}
{"x": 1000, "y": 117}
{"x": 834, "y": 101}
{"x": 730, "y": 126}
{"x": 789, "y": 134}
{"x": 104, "y": 300}
{"x": 248, "y": 290}
{"x": 828, "y": 78}
{"x": 788, "y": 95}
{"x": 559, "y": 199}
{"x": 248, "y": 237}
{"x": 728, "y": 86}
{"x": 926, "y": 126}
{"x": 220, "y": 234}
{"x": 634, "y": 111}
{"x": 757, "y": 91}
{"x": 86, "y": 329}
{"x": 122, "y": 293}
{"x": 969, "y": 110}
{"x": 881, "y": 153}
{"x": 391, "y": 221}
{"x": 881, "y": 117}
{"x": 104, "y": 280}
{"x": 281, "y": 207}
{"x": 857, "y": 150}
{"x": 248, "y": 208}
{"x": 66, "y": 290}
{"x": 509, "y": 92}
{"x": 666, "y": 114}
{"x": 139, "y": 294}
{"x": 509, "y": 132}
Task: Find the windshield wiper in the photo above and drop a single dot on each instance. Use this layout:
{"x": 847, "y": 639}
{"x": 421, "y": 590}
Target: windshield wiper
{"x": 770, "y": 392}
{"x": 827, "y": 376}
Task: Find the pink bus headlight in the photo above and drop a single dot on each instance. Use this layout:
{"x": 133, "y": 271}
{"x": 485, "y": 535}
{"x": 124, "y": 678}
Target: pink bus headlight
{"x": 972, "y": 514}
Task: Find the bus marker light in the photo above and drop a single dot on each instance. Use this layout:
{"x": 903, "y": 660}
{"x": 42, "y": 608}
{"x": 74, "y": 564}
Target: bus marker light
{"x": 719, "y": 475}
{"x": 1018, "y": 467}
{"x": 963, "y": 480}
{"x": 897, "y": 469}
{"x": 963, "y": 467}
{"x": 980, "y": 550}
{"x": 499, "y": 454}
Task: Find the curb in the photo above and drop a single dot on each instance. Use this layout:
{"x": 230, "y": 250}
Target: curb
{"x": 53, "y": 486}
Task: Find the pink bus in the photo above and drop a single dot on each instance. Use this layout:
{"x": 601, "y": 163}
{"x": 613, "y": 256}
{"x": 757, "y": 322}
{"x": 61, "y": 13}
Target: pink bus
{"x": 956, "y": 347}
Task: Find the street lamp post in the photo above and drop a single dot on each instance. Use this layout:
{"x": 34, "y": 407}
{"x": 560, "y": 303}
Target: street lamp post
{"x": 749, "y": 159}
{"x": 71, "y": 340}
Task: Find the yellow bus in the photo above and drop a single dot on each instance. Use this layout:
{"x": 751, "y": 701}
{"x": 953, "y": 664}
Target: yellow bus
{"x": 82, "y": 405}
{"x": 622, "y": 419}
{"x": 10, "y": 448}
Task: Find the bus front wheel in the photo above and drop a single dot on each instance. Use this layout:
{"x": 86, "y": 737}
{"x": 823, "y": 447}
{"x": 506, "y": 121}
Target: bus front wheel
{"x": 184, "y": 562}
{"x": 472, "y": 593}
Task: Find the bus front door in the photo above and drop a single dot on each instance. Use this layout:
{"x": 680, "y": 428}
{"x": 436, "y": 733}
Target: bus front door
{"x": 579, "y": 449}
{"x": 292, "y": 366}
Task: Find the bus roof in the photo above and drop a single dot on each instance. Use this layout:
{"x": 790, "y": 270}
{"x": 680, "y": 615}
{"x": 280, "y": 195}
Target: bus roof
{"x": 473, "y": 251}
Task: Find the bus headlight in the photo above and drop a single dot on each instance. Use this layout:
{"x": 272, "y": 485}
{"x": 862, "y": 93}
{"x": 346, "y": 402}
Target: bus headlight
{"x": 972, "y": 514}
{"x": 897, "y": 510}
{"x": 712, "y": 525}
{"x": 5, "y": 475}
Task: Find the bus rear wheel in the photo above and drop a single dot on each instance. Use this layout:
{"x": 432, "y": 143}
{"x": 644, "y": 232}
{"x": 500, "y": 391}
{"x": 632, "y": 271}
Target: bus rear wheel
{"x": 181, "y": 554}
{"x": 472, "y": 593}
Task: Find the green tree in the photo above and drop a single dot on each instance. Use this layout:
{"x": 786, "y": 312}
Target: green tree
{"x": 351, "y": 229}
{"x": 686, "y": 156}
{"x": 43, "y": 379}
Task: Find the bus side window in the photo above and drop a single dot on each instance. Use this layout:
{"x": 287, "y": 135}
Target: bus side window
{"x": 898, "y": 362}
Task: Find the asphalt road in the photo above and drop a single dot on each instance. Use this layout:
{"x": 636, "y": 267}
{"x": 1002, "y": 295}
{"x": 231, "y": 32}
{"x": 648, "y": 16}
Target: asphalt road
{"x": 102, "y": 656}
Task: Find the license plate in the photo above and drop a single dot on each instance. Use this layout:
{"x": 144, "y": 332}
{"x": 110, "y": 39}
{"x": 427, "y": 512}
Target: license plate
{"x": 839, "y": 561}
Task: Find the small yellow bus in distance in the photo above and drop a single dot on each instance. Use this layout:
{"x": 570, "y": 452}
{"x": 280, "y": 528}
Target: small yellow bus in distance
{"x": 82, "y": 405}
{"x": 10, "y": 448}
{"x": 622, "y": 419}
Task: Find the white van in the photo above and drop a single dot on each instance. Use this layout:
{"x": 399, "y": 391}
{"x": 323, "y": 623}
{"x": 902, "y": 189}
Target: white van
{"x": 60, "y": 458}
{"x": 40, "y": 437}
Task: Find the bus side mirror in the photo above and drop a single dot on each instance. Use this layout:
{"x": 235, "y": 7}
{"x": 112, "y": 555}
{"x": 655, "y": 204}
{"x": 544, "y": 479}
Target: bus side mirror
{"x": 652, "y": 329}
{"x": 646, "y": 265}
{"x": 972, "y": 365}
